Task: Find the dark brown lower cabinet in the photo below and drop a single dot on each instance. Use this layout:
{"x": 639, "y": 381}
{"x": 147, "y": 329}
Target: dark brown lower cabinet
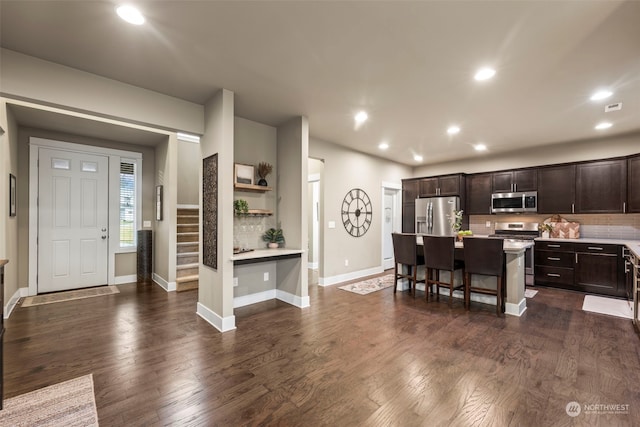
{"x": 586, "y": 267}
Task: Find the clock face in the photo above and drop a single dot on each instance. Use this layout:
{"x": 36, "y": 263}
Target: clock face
{"x": 356, "y": 212}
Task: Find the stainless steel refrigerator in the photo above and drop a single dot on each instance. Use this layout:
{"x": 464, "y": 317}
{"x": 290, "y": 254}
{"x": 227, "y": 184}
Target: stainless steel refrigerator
{"x": 434, "y": 215}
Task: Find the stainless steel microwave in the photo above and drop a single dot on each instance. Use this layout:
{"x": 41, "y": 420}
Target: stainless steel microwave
{"x": 514, "y": 202}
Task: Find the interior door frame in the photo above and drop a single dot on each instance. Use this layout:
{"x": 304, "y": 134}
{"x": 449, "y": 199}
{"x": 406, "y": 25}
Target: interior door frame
{"x": 396, "y": 216}
{"x": 115, "y": 157}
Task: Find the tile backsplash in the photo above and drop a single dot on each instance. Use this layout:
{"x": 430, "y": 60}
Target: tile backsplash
{"x": 600, "y": 226}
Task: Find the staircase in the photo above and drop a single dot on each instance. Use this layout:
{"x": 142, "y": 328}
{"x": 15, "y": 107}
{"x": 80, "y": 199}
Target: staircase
{"x": 188, "y": 249}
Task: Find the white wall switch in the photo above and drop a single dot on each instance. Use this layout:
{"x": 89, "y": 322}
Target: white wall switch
{"x": 266, "y": 276}
{"x": 346, "y": 263}
{"x": 332, "y": 224}
{"x": 146, "y": 224}
{"x": 488, "y": 224}
{"x": 235, "y": 282}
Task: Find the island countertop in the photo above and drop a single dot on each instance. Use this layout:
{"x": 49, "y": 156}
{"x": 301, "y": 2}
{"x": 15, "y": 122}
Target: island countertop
{"x": 3, "y": 262}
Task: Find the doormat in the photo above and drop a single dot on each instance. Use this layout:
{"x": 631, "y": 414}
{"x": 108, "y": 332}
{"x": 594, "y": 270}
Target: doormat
{"x": 69, "y": 403}
{"x": 69, "y": 295}
{"x": 609, "y": 306}
{"x": 370, "y": 285}
{"x": 530, "y": 293}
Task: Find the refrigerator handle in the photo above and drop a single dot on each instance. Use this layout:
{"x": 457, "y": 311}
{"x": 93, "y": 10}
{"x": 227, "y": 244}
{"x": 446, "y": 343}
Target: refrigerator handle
{"x": 430, "y": 218}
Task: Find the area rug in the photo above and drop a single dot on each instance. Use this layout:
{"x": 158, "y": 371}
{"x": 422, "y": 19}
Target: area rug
{"x": 69, "y": 295}
{"x": 370, "y": 285}
{"x": 530, "y": 293}
{"x": 71, "y": 404}
{"x": 609, "y": 306}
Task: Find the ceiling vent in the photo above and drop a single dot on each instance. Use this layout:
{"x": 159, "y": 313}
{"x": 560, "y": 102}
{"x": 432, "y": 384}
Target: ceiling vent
{"x": 613, "y": 107}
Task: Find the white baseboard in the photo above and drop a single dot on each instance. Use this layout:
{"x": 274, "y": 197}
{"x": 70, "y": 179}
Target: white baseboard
{"x": 167, "y": 286}
{"x": 13, "y": 301}
{"x": 121, "y": 280}
{"x": 292, "y": 299}
{"x": 328, "y": 281}
{"x": 513, "y": 309}
{"x": 254, "y": 298}
{"x": 223, "y": 324}
{"x": 188, "y": 206}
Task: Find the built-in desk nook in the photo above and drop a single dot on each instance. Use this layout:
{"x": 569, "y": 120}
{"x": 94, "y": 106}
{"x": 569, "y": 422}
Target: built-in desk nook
{"x": 264, "y": 274}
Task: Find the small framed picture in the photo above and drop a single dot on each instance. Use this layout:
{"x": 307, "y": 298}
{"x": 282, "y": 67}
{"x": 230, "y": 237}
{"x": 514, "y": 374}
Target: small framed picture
{"x": 12, "y": 195}
{"x": 243, "y": 174}
{"x": 159, "y": 202}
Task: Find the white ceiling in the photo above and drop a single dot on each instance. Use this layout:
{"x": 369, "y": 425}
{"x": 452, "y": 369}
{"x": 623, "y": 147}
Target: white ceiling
{"x": 410, "y": 65}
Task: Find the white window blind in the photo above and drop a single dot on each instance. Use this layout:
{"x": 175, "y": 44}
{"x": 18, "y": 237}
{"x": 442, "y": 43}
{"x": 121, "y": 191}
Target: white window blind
{"x": 128, "y": 204}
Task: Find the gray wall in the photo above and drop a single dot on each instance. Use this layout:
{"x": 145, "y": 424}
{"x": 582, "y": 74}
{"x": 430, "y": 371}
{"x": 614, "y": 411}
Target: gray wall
{"x": 188, "y": 165}
{"x": 345, "y": 169}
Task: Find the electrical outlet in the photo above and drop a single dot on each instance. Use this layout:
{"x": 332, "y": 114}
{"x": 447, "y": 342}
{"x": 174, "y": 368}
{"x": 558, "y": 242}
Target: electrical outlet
{"x": 487, "y": 224}
{"x": 266, "y": 276}
{"x": 346, "y": 263}
{"x": 235, "y": 282}
{"x": 146, "y": 224}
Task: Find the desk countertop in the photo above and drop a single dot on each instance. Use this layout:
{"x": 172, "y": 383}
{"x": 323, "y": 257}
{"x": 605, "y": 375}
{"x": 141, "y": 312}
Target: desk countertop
{"x": 265, "y": 253}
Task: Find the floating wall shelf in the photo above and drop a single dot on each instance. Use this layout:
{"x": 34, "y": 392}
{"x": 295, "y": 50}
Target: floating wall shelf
{"x": 252, "y": 188}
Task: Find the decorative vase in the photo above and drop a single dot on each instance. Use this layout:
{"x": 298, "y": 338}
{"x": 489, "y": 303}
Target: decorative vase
{"x": 262, "y": 182}
{"x": 545, "y": 234}
{"x": 273, "y": 245}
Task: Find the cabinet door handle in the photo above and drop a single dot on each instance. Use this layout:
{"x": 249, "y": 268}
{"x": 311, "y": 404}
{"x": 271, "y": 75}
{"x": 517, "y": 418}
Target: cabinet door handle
{"x": 624, "y": 207}
{"x": 573, "y": 208}
{"x": 553, "y": 246}
{"x": 552, "y": 258}
{"x": 594, "y": 248}
{"x": 553, "y": 275}
{"x": 576, "y": 257}
{"x": 515, "y": 187}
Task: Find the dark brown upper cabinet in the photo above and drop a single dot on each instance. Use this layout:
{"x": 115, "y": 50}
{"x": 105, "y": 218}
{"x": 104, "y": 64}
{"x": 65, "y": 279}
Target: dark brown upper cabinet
{"x": 633, "y": 182}
{"x": 409, "y": 196}
{"x": 478, "y": 194}
{"x": 446, "y": 185}
{"x": 409, "y": 190}
{"x": 515, "y": 180}
{"x": 556, "y": 189}
{"x": 601, "y": 187}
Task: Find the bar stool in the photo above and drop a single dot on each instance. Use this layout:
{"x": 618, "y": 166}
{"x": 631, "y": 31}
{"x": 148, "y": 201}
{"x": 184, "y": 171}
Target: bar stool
{"x": 484, "y": 256}
{"x": 405, "y": 252}
{"x": 439, "y": 254}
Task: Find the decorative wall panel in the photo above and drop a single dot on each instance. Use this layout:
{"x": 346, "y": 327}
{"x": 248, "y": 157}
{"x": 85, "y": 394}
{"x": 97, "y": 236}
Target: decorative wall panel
{"x": 210, "y": 211}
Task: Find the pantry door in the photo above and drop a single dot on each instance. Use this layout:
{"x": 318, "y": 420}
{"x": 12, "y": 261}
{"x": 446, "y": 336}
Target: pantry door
{"x": 72, "y": 220}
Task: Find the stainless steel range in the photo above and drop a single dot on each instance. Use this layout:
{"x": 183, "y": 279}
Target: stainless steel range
{"x": 518, "y": 232}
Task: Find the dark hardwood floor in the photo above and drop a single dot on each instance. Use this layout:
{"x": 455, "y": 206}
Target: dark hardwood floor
{"x": 348, "y": 360}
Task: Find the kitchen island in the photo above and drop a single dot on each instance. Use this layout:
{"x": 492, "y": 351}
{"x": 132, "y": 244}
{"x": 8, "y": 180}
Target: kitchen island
{"x": 515, "y": 302}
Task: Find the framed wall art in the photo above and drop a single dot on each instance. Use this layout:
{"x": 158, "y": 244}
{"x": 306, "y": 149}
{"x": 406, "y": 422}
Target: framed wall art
{"x": 159, "y": 202}
{"x": 12, "y": 195}
{"x": 210, "y": 211}
{"x": 243, "y": 174}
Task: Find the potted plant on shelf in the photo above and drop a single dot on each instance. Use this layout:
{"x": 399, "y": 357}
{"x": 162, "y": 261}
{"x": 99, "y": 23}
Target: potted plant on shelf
{"x": 240, "y": 207}
{"x": 546, "y": 229}
{"x": 273, "y": 237}
{"x": 263, "y": 170}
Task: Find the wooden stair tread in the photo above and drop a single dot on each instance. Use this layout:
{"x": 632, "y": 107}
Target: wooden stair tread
{"x": 187, "y": 254}
{"x": 187, "y": 278}
{"x": 186, "y": 266}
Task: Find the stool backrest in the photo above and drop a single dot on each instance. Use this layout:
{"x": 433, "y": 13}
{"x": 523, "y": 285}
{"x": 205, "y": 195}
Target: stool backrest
{"x": 405, "y": 248}
{"x": 483, "y": 256}
{"x": 439, "y": 252}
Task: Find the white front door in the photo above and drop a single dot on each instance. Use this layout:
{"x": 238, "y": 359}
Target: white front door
{"x": 72, "y": 220}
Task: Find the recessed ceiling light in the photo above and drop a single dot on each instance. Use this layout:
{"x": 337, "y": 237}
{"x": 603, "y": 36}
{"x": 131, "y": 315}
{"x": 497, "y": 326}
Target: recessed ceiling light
{"x": 453, "y": 130}
{"x": 383, "y": 146}
{"x": 484, "y": 74}
{"x": 603, "y": 125}
{"x": 361, "y": 117}
{"x": 130, "y": 14}
{"x": 417, "y": 158}
{"x": 480, "y": 147}
{"x": 601, "y": 94}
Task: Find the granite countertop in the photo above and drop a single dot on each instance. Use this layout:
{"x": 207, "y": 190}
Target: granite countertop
{"x": 632, "y": 245}
{"x": 3, "y": 262}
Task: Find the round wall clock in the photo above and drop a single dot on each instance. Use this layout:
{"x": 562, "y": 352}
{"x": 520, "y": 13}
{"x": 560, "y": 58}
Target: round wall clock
{"x": 356, "y": 212}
